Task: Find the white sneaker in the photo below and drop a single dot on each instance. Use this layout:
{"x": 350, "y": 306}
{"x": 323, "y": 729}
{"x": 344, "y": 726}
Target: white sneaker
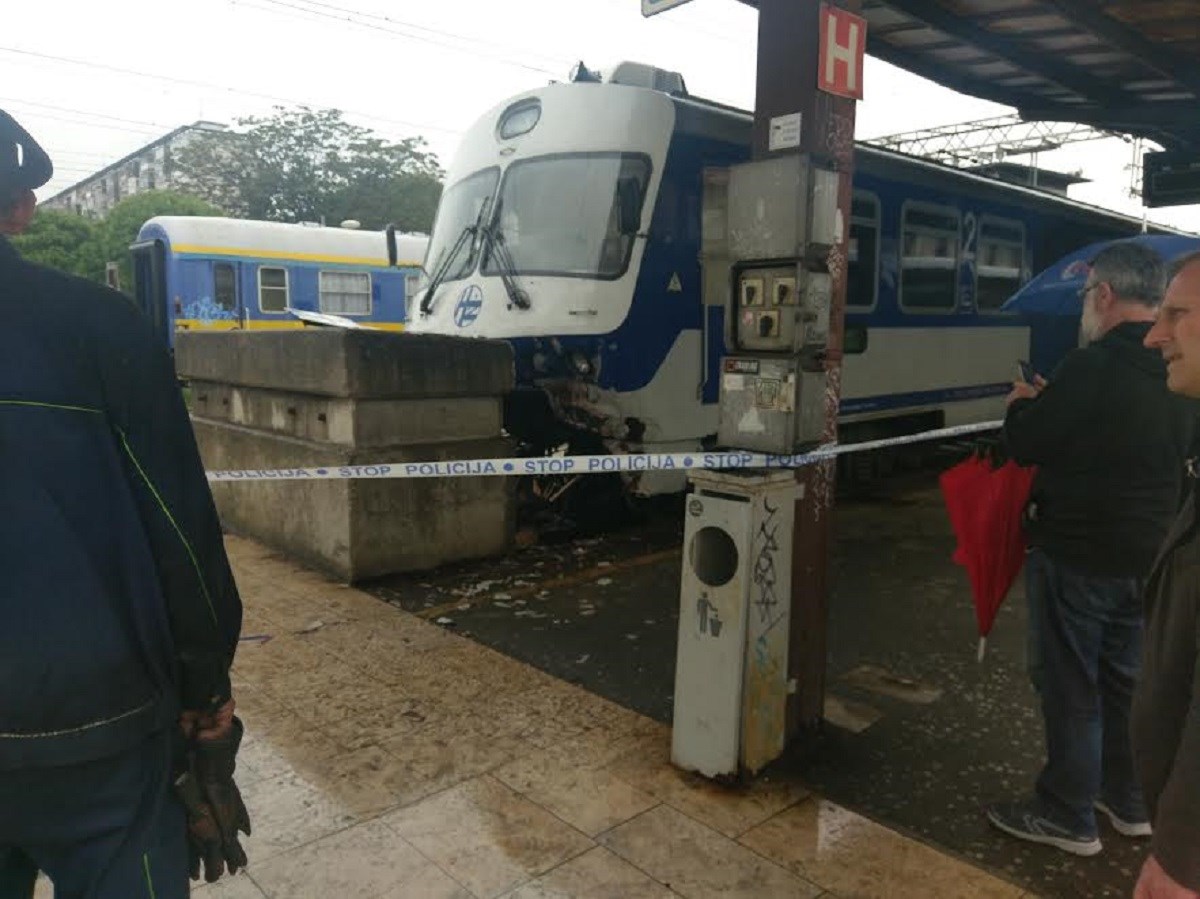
{"x": 1123, "y": 827}
{"x": 1024, "y": 821}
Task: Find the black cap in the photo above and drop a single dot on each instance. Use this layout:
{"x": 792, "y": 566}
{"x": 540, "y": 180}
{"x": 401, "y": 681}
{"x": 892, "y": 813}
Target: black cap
{"x": 27, "y": 168}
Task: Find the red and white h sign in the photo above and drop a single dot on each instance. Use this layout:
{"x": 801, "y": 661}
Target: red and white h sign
{"x": 843, "y": 45}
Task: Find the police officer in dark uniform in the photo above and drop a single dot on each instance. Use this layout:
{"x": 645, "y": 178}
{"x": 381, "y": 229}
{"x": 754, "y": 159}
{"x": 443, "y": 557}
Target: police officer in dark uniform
{"x": 119, "y": 615}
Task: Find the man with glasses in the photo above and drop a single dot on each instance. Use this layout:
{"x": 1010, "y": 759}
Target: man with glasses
{"x": 1109, "y": 441}
{"x": 1166, "y": 707}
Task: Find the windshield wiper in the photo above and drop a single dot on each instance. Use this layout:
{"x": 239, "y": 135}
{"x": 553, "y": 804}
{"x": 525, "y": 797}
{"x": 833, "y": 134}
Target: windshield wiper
{"x": 508, "y": 266}
{"x": 470, "y": 231}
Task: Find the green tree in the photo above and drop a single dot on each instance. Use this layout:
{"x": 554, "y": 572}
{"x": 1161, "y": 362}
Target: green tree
{"x": 410, "y": 202}
{"x": 307, "y": 165}
{"x": 121, "y": 227}
{"x": 65, "y": 241}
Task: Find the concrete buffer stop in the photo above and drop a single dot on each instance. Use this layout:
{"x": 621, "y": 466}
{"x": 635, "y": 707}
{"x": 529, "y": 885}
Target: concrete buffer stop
{"x": 756, "y": 551}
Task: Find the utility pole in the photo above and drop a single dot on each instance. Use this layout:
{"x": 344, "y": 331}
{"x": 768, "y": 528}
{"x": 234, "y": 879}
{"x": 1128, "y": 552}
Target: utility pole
{"x": 800, "y": 45}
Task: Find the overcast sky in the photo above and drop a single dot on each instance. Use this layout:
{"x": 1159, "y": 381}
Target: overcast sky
{"x": 405, "y": 67}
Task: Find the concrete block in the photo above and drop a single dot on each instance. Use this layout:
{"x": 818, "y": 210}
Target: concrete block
{"x": 363, "y": 364}
{"x": 361, "y": 529}
{"x": 348, "y": 422}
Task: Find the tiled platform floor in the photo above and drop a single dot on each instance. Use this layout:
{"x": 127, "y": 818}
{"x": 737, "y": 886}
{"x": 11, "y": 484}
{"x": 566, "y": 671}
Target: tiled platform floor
{"x": 387, "y": 758}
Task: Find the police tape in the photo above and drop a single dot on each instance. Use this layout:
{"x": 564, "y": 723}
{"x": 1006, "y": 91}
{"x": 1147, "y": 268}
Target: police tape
{"x": 583, "y": 465}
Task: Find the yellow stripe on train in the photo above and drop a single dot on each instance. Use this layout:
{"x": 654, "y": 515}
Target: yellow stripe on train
{"x": 373, "y": 261}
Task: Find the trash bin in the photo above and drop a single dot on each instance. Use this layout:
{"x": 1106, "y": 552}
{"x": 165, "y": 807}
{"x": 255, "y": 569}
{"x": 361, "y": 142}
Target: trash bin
{"x": 731, "y": 681}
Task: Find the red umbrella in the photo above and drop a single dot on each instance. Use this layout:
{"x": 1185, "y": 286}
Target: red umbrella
{"x": 985, "y": 506}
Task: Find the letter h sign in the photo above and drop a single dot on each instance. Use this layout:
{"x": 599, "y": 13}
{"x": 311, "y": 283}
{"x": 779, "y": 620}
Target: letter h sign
{"x": 843, "y": 44}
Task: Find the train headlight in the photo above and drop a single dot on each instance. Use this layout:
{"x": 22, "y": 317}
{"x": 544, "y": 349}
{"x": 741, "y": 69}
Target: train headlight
{"x": 580, "y": 363}
{"x": 520, "y": 118}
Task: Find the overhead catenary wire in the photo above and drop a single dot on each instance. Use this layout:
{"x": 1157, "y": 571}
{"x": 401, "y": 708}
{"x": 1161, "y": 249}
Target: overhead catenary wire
{"x": 127, "y": 129}
{"x": 188, "y": 82}
{"x": 391, "y": 25}
{"x": 7, "y": 101}
{"x": 306, "y": 14}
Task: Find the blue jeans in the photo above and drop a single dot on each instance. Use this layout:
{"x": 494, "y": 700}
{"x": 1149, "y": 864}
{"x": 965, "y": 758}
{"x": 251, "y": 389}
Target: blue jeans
{"x": 108, "y": 829}
{"x": 1085, "y": 650}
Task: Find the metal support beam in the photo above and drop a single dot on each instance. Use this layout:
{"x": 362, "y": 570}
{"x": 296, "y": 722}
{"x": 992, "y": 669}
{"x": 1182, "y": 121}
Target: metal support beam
{"x": 1155, "y": 55}
{"x": 1040, "y": 64}
{"x": 988, "y": 140}
{"x": 1086, "y": 81}
{"x": 944, "y": 76}
{"x": 1119, "y": 118}
{"x": 788, "y": 56}
{"x": 1157, "y": 121}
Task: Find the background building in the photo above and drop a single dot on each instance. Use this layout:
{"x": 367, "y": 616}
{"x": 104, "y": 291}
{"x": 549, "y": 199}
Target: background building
{"x": 148, "y": 168}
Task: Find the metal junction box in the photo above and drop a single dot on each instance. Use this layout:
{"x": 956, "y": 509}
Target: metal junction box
{"x": 770, "y": 404}
{"x": 781, "y": 208}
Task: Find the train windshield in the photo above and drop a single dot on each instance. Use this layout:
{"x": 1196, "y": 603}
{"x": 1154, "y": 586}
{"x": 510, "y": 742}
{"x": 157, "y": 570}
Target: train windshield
{"x": 574, "y": 215}
{"x": 459, "y": 209}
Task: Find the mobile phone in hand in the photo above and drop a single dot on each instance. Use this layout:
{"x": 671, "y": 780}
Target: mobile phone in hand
{"x": 1026, "y": 371}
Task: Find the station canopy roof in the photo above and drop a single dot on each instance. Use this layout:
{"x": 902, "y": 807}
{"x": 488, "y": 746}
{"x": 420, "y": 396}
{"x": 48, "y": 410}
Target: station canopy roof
{"x": 1123, "y": 65}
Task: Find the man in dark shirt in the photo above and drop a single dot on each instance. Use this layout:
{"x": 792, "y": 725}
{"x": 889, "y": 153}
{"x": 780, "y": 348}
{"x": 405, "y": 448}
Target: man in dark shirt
{"x": 1109, "y": 441}
{"x": 119, "y": 615}
{"x": 1166, "y": 707}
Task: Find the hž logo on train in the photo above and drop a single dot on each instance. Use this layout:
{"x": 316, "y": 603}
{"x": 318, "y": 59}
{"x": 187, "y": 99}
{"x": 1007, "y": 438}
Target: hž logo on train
{"x": 470, "y": 301}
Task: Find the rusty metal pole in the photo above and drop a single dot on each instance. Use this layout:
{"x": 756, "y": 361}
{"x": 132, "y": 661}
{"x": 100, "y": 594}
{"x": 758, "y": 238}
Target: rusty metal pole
{"x": 788, "y": 59}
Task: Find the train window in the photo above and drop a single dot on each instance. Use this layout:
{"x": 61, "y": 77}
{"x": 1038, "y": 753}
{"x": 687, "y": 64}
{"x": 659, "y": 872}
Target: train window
{"x": 412, "y": 286}
{"x": 573, "y": 215}
{"x": 862, "y": 266}
{"x": 929, "y": 258}
{"x": 458, "y": 210}
{"x": 224, "y": 286}
{"x": 345, "y": 293}
{"x": 1000, "y": 262}
{"x": 272, "y": 289}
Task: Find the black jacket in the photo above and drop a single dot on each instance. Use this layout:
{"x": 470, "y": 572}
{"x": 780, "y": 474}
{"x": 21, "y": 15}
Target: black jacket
{"x": 1166, "y": 706}
{"x": 1109, "y": 441}
{"x": 117, "y": 604}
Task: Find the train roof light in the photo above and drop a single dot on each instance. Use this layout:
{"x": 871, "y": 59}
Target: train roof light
{"x": 636, "y": 74}
{"x": 583, "y": 73}
{"x": 633, "y": 74}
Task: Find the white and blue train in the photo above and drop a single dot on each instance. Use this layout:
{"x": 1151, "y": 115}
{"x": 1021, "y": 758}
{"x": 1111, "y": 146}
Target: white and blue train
{"x": 571, "y": 225}
{"x": 212, "y": 273}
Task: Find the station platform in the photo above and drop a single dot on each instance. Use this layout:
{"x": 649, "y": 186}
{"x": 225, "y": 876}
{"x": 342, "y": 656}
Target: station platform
{"x": 502, "y": 729}
{"x": 919, "y": 735}
{"x": 387, "y": 756}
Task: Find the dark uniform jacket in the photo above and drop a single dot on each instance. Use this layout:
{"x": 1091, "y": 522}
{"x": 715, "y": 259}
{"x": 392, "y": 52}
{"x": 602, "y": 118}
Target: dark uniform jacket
{"x": 117, "y": 604}
{"x": 1109, "y": 440}
{"x": 1166, "y": 705}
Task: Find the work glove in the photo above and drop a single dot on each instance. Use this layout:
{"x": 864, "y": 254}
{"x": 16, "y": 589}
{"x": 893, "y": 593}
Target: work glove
{"x": 215, "y": 811}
